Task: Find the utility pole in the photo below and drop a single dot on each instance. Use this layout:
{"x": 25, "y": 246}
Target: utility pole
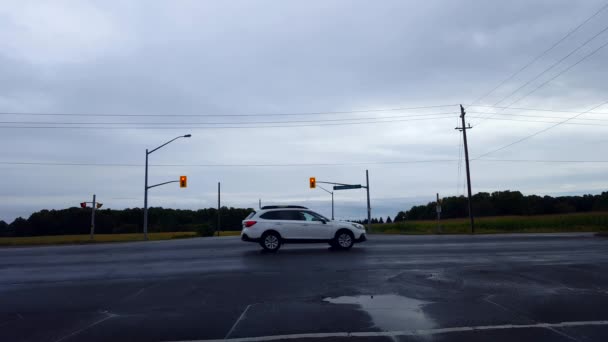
{"x": 332, "y": 205}
{"x": 369, "y": 209}
{"x": 93, "y": 218}
{"x": 438, "y": 207}
{"x": 218, "y": 208}
{"x": 466, "y": 156}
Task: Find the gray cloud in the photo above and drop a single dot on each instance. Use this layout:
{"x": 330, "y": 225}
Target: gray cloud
{"x": 242, "y": 57}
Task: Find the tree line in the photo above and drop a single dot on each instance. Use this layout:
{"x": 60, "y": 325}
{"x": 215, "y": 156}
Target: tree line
{"x": 204, "y": 221}
{"x": 501, "y": 203}
{"x": 108, "y": 221}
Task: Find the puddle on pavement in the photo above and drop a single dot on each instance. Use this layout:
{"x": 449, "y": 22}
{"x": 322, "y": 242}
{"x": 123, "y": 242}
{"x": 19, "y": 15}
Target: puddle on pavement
{"x": 390, "y": 312}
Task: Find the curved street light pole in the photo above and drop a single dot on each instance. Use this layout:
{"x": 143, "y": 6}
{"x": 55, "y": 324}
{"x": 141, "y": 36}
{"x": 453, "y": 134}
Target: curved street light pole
{"x": 146, "y": 183}
{"x": 332, "y": 200}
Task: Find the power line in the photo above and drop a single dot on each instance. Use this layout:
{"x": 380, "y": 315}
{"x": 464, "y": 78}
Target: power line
{"x": 532, "y": 109}
{"x": 227, "y": 115}
{"x": 228, "y": 165}
{"x": 554, "y": 77}
{"x": 539, "y": 132}
{"x": 220, "y": 127}
{"x": 539, "y": 121}
{"x": 221, "y": 123}
{"x": 13, "y": 163}
{"x": 500, "y": 84}
{"x": 553, "y": 65}
{"x": 561, "y": 72}
{"x": 536, "y": 116}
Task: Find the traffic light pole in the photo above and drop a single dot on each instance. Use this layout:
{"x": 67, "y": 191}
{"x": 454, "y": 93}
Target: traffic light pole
{"x": 369, "y": 209}
{"x": 342, "y": 186}
{"x": 146, "y": 200}
{"x": 146, "y": 187}
{"x": 218, "y": 208}
{"x": 93, "y": 218}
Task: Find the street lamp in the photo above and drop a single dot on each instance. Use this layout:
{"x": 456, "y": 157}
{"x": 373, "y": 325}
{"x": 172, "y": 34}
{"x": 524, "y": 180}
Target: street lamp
{"x": 332, "y": 200}
{"x": 146, "y": 185}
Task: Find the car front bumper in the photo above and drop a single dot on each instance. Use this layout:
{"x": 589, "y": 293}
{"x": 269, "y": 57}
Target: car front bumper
{"x": 361, "y": 238}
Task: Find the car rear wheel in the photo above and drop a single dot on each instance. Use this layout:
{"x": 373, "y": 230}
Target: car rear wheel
{"x": 344, "y": 239}
{"x": 271, "y": 242}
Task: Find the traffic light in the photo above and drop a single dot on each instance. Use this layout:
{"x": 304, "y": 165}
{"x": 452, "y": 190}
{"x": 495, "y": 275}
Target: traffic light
{"x": 183, "y": 181}
{"x": 98, "y": 205}
{"x": 313, "y": 182}
{"x": 83, "y": 204}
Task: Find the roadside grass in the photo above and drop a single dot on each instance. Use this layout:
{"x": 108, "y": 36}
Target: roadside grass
{"x": 99, "y": 238}
{"x": 578, "y": 222}
{"x": 82, "y": 239}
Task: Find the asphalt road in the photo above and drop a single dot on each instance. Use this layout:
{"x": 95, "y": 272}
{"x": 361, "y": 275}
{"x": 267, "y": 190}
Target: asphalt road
{"x": 403, "y": 288}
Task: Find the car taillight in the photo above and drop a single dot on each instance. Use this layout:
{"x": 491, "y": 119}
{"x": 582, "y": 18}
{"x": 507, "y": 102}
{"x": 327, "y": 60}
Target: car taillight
{"x": 250, "y": 223}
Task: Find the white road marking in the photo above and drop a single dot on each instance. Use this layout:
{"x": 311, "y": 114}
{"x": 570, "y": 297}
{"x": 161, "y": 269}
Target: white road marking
{"x": 237, "y": 322}
{"x": 405, "y": 333}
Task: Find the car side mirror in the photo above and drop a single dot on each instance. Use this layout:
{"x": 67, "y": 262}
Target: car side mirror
{"x": 324, "y": 222}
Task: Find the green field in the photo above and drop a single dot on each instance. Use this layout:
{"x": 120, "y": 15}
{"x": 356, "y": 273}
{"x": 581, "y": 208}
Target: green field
{"x": 81, "y": 239}
{"x": 580, "y": 222}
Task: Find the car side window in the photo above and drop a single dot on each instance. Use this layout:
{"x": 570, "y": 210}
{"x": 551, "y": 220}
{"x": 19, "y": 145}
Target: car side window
{"x": 272, "y": 215}
{"x": 292, "y": 215}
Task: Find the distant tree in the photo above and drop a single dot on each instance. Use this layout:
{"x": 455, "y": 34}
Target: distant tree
{"x": 400, "y": 216}
{"x": 506, "y": 203}
{"x": 388, "y": 219}
{"x": 4, "y": 229}
{"x": 381, "y": 221}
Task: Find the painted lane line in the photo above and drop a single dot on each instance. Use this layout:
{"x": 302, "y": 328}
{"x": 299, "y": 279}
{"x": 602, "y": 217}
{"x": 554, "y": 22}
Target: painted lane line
{"x": 406, "y": 332}
{"x": 237, "y": 322}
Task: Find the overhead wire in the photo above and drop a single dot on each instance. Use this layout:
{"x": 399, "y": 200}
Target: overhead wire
{"x": 539, "y": 132}
{"x": 542, "y": 54}
{"x": 224, "y": 115}
{"x": 222, "y": 123}
{"x": 553, "y": 65}
{"x": 223, "y": 127}
{"x": 554, "y": 77}
{"x": 70, "y": 164}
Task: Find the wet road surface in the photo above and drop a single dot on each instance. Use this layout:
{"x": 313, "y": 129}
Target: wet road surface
{"x": 390, "y": 288}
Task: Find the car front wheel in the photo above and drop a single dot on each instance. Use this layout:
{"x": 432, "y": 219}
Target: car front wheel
{"x": 345, "y": 239}
{"x": 271, "y": 242}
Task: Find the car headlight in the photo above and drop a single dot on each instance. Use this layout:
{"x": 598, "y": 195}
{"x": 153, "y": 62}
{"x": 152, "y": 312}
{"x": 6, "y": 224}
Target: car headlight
{"x": 358, "y": 226}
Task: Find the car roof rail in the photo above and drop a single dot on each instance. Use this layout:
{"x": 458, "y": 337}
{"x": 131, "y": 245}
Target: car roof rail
{"x": 283, "y": 207}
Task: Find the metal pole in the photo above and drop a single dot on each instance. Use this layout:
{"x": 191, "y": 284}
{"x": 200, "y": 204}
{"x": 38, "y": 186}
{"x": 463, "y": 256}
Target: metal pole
{"x": 332, "y": 205}
{"x": 438, "y": 209}
{"x": 218, "y": 208}
{"x": 93, "y": 218}
{"x": 146, "y": 201}
{"x": 369, "y": 209}
{"x": 260, "y": 203}
{"x": 466, "y": 156}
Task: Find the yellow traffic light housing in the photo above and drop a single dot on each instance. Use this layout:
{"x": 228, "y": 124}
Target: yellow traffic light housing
{"x": 183, "y": 181}
{"x": 313, "y": 182}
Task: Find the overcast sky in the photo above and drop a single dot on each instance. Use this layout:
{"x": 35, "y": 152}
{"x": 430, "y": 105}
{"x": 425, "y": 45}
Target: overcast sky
{"x": 203, "y": 58}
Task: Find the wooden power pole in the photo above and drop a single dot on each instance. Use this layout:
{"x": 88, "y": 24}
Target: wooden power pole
{"x": 463, "y": 129}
